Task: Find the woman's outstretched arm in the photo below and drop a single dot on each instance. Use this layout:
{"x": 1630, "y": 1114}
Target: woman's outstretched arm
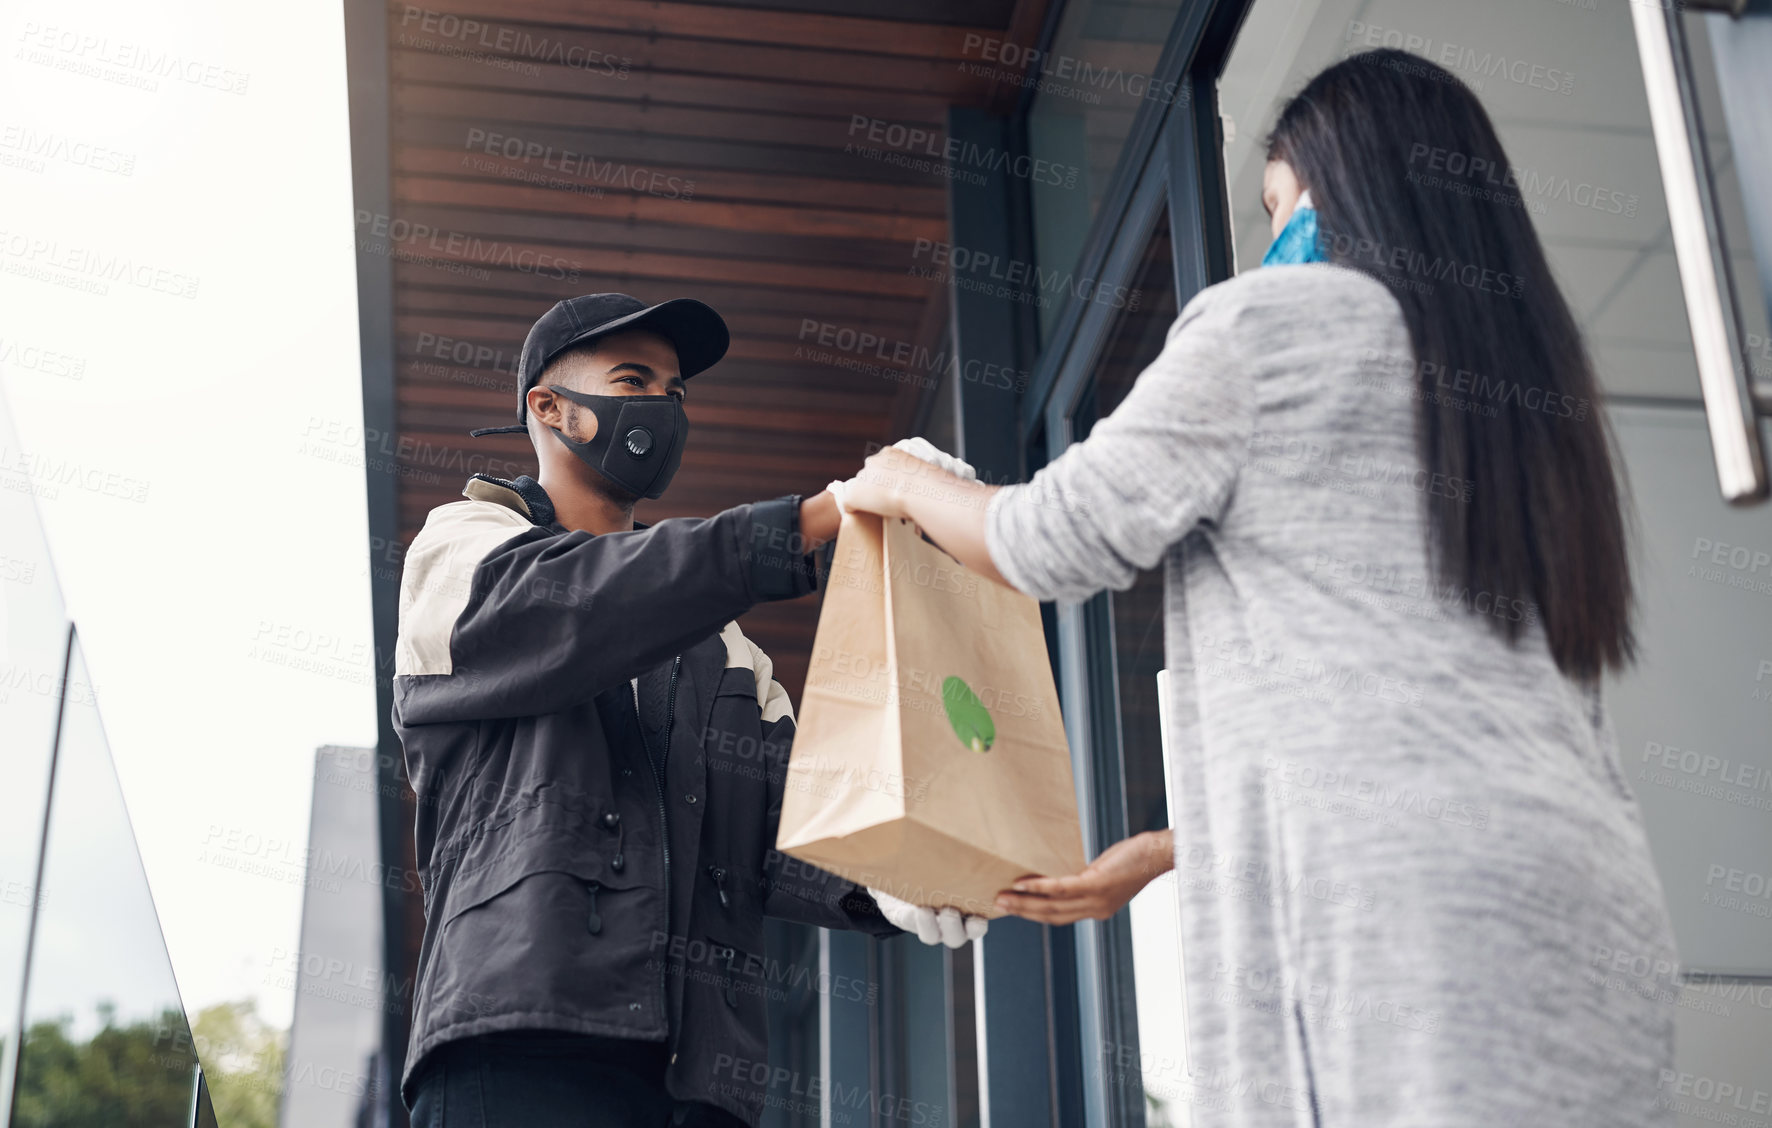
{"x": 1164, "y": 460}
{"x": 951, "y": 510}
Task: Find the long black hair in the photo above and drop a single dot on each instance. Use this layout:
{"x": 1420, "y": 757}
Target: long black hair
{"x": 1411, "y": 186}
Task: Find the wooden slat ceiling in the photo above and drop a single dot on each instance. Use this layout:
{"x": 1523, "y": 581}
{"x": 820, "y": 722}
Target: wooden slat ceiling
{"x": 754, "y": 106}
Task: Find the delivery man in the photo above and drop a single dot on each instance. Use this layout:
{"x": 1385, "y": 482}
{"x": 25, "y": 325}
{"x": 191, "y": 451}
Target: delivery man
{"x": 599, "y": 756}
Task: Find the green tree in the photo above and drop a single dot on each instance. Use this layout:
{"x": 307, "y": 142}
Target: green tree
{"x": 243, "y": 1060}
{"x": 139, "y": 1075}
{"x": 143, "y": 1074}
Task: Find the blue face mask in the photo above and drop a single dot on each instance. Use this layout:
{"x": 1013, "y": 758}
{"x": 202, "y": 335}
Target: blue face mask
{"x": 1297, "y": 241}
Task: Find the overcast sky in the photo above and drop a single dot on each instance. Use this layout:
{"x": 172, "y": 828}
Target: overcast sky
{"x": 178, "y": 342}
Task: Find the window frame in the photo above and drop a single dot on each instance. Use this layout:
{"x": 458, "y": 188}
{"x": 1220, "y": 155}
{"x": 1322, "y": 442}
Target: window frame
{"x": 1171, "y": 164}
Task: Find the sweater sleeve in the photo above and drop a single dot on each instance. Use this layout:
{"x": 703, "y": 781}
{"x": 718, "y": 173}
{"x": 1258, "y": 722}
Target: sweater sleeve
{"x": 1165, "y": 460}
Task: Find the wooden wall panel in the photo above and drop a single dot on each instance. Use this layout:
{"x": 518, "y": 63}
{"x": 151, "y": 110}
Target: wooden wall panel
{"x": 704, "y": 150}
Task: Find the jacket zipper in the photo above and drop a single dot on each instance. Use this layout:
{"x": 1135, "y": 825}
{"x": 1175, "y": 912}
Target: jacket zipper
{"x": 664, "y": 822}
{"x": 658, "y": 766}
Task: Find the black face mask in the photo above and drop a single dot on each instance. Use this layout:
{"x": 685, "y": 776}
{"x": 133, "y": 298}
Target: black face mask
{"x": 639, "y": 440}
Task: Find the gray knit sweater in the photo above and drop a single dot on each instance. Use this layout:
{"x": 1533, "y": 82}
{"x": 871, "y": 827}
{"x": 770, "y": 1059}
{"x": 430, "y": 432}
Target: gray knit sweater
{"x": 1415, "y": 887}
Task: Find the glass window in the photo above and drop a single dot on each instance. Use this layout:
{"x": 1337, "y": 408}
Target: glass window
{"x": 1137, "y": 614}
{"x": 33, "y": 647}
{"x": 1093, "y": 82}
{"x": 341, "y": 989}
{"x": 794, "y": 1023}
{"x": 106, "y": 1040}
{"x": 918, "y": 1027}
{"x": 940, "y": 425}
{"x": 863, "y": 1027}
{"x": 1731, "y": 199}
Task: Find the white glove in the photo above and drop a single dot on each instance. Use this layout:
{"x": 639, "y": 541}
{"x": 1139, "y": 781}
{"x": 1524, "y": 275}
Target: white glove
{"x": 929, "y": 452}
{"x": 917, "y": 447}
{"x": 933, "y": 926}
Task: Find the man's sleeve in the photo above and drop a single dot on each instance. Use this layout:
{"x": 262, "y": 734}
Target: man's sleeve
{"x": 498, "y": 618}
{"x": 800, "y": 891}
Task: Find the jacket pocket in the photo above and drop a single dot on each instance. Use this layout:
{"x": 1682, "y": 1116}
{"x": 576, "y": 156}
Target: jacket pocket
{"x": 742, "y": 980}
{"x": 558, "y": 948}
{"x": 735, "y": 741}
{"x": 478, "y": 879}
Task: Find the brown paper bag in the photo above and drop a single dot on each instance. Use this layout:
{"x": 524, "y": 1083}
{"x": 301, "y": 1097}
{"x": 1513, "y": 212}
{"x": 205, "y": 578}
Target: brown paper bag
{"x": 930, "y": 759}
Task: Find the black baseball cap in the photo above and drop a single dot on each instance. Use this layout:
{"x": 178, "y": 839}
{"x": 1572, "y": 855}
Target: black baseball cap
{"x": 697, "y": 332}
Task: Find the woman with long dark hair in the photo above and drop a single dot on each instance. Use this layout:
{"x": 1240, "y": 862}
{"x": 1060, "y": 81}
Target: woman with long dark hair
{"x": 1415, "y": 886}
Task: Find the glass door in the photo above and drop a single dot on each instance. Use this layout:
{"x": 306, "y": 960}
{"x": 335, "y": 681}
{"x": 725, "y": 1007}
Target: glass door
{"x": 1131, "y": 1030}
{"x": 1146, "y": 1074}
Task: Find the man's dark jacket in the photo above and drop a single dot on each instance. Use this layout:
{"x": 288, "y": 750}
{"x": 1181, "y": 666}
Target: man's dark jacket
{"x": 541, "y": 812}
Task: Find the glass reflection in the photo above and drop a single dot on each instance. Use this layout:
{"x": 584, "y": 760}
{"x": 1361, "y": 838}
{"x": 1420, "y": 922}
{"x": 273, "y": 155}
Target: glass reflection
{"x": 794, "y": 1022}
{"x": 106, "y": 1043}
{"x": 342, "y": 992}
{"x": 33, "y": 647}
{"x": 1756, "y": 319}
{"x": 1137, "y": 613}
{"x": 925, "y": 1026}
{"x": 1093, "y": 82}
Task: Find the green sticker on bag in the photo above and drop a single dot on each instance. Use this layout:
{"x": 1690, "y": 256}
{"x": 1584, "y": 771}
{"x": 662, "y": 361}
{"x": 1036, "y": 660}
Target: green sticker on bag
{"x": 971, "y": 720}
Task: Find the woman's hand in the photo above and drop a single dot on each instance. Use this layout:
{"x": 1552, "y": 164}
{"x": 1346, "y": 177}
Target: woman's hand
{"x": 949, "y": 509}
{"x": 889, "y": 479}
{"x": 1100, "y": 891}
